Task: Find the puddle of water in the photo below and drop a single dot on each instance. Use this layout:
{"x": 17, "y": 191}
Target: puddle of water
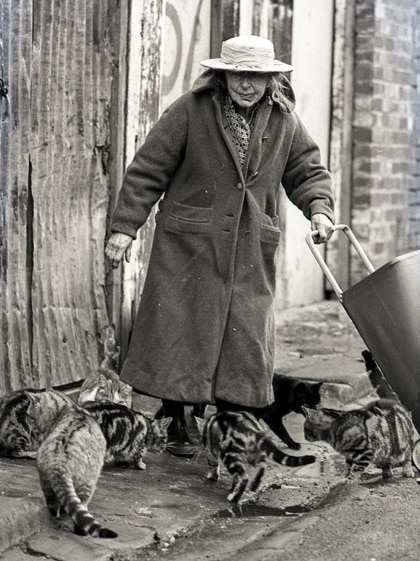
{"x": 249, "y": 511}
{"x": 332, "y": 465}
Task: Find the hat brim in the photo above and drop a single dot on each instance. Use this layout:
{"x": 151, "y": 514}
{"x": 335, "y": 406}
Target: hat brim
{"x": 217, "y": 64}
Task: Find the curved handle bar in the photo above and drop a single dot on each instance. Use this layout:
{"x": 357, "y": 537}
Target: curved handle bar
{"x": 322, "y": 263}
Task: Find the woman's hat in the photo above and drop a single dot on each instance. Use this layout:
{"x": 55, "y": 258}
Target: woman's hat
{"x": 247, "y": 53}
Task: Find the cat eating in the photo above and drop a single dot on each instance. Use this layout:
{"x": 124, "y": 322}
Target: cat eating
{"x": 380, "y": 434}
{"x": 20, "y": 432}
{"x": 128, "y": 433}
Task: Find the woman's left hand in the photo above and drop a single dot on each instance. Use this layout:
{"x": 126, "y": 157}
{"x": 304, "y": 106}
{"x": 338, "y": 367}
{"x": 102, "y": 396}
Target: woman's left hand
{"x": 324, "y": 227}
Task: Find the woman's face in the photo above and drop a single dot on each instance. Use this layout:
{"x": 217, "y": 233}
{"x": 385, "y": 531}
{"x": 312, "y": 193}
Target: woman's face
{"x": 246, "y": 88}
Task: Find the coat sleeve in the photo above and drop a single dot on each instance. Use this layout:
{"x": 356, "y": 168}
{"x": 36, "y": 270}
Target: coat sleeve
{"x": 147, "y": 176}
{"x": 306, "y": 181}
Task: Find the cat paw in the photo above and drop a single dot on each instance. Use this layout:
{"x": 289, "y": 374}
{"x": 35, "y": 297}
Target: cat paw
{"x": 408, "y": 472}
{"x": 211, "y": 476}
{"x": 233, "y": 497}
{"x": 26, "y": 454}
{"x": 54, "y": 511}
{"x": 354, "y": 478}
{"x": 140, "y": 465}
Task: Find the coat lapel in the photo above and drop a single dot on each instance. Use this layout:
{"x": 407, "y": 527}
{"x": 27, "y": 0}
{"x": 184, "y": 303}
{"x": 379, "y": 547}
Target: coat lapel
{"x": 253, "y": 157}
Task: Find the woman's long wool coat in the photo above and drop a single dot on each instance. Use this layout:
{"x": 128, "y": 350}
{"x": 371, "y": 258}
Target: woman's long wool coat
{"x": 205, "y": 325}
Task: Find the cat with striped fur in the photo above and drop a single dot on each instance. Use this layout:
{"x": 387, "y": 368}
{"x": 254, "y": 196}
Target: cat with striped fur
{"x": 21, "y": 433}
{"x": 128, "y": 434}
{"x": 105, "y": 383}
{"x": 238, "y": 441}
{"x": 105, "y": 386}
{"x": 381, "y": 434}
{"x": 69, "y": 461}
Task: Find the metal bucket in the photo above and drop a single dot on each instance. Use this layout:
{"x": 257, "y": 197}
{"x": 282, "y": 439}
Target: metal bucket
{"x": 385, "y": 309}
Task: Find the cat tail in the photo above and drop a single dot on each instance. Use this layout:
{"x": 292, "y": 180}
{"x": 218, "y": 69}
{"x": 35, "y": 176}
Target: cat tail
{"x": 368, "y": 359}
{"x": 280, "y": 457}
{"x": 275, "y": 453}
{"x": 85, "y": 523}
{"x": 377, "y": 379}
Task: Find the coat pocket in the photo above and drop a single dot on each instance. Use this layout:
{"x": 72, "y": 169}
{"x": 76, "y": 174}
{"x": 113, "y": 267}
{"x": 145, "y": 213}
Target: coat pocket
{"x": 186, "y": 219}
{"x": 270, "y": 231}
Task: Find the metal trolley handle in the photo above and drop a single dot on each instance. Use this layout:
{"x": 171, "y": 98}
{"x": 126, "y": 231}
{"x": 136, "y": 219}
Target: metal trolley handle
{"x": 321, "y": 261}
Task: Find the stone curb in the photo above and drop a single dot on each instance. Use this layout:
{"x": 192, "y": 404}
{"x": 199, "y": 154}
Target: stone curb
{"x": 20, "y": 518}
{"x": 337, "y": 395}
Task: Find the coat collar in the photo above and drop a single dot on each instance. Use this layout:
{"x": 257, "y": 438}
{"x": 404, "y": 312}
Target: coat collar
{"x": 205, "y": 82}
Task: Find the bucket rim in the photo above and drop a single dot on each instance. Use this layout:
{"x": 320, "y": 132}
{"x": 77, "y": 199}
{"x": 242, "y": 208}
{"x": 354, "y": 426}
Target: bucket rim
{"x": 400, "y": 258}
{"x": 371, "y": 277}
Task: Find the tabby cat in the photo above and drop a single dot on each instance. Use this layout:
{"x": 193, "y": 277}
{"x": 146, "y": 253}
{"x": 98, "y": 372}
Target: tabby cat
{"x": 377, "y": 379}
{"x": 290, "y": 394}
{"x": 380, "y": 434}
{"x": 238, "y": 441}
{"x": 128, "y": 433}
{"x": 105, "y": 384}
{"x": 69, "y": 462}
{"x": 21, "y": 433}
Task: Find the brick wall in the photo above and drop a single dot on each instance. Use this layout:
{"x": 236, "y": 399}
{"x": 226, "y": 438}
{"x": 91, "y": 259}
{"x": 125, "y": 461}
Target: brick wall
{"x": 386, "y": 191}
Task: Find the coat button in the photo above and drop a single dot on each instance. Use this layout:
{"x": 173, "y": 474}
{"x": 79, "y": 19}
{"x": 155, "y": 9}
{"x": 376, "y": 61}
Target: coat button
{"x": 239, "y": 186}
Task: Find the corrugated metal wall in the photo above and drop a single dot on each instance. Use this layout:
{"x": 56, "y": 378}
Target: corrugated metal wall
{"x": 60, "y": 62}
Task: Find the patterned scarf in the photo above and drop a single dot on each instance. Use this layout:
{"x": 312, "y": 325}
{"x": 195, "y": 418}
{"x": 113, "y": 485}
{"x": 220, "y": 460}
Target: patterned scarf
{"x": 241, "y": 129}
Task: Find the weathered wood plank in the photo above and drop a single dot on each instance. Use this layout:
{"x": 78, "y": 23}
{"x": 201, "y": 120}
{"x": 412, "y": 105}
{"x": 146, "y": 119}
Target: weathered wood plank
{"x": 143, "y": 110}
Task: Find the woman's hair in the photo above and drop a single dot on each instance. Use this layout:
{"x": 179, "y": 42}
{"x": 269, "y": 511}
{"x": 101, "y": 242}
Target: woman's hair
{"x": 277, "y": 88}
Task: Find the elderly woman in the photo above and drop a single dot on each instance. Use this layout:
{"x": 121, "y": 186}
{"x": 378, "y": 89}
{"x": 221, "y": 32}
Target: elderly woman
{"x": 216, "y": 160}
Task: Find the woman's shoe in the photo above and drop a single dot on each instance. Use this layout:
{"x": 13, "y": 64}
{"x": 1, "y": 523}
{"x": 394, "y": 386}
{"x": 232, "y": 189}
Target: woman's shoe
{"x": 179, "y": 442}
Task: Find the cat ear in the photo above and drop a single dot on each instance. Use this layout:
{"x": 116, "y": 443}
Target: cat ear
{"x": 301, "y": 389}
{"x": 200, "y": 424}
{"x": 306, "y": 411}
{"x": 31, "y": 412}
{"x": 164, "y": 422}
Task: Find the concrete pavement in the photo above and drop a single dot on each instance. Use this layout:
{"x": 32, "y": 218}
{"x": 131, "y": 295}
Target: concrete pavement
{"x": 169, "y": 498}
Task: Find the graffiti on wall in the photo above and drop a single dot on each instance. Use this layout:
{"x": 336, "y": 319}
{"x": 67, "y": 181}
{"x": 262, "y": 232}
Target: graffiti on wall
{"x": 186, "y": 41}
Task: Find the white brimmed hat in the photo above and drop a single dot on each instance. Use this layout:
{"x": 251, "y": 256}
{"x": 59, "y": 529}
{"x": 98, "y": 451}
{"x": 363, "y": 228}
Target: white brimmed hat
{"x": 247, "y": 53}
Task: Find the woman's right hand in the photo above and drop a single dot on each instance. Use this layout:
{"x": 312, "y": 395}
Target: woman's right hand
{"x": 118, "y": 245}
